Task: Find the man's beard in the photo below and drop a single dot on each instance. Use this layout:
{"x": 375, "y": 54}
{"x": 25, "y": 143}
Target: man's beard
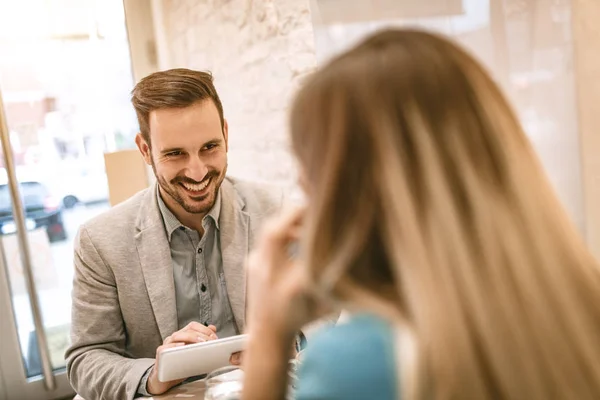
{"x": 196, "y": 206}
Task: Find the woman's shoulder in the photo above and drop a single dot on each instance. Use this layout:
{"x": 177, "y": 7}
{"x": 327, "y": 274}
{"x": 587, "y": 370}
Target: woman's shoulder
{"x": 351, "y": 360}
{"x": 368, "y": 330}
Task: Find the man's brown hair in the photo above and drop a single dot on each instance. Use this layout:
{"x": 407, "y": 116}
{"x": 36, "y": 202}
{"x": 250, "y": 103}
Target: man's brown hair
{"x": 173, "y": 88}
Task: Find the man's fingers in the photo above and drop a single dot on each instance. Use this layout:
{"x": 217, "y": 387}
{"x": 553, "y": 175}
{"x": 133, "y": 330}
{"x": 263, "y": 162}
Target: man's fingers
{"x": 210, "y": 331}
{"x": 194, "y": 332}
{"x": 236, "y": 358}
{"x": 190, "y": 337}
{"x": 171, "y": 345}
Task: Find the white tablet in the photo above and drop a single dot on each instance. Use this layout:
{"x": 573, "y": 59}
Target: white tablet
{"x": 199, "y": 358}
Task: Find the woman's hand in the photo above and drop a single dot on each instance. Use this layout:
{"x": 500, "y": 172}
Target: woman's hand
{"x": 278, "y": 301}
{"x": 278, "y": 306}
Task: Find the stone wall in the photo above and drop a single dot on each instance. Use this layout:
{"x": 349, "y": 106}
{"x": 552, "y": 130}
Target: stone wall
{"x": 258, "y": 51}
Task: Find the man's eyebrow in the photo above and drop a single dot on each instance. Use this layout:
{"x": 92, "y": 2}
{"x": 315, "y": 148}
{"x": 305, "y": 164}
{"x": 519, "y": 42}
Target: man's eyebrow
{"x": 213, "y": 141}
{"x": 173, "y": 149}
{"x": 170, "y": 150}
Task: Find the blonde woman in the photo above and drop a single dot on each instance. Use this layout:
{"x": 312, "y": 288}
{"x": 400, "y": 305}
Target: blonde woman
{"x": 430, "y": 217}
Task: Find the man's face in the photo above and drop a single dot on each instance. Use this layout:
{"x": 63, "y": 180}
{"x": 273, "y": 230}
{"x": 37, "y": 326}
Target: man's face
{"x": 188, "y": 153}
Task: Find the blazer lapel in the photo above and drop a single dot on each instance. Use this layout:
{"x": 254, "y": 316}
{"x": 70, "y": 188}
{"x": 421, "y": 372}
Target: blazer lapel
{"x": 157, "y": 267}
{"x": 233, "y": 221}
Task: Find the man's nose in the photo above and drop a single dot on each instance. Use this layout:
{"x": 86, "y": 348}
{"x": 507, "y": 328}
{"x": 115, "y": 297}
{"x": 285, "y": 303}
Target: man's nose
{"x": 197, "y": 170}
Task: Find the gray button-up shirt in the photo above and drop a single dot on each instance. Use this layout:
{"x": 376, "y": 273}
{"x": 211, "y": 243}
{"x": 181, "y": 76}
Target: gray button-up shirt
{"x": 200, "y": 291}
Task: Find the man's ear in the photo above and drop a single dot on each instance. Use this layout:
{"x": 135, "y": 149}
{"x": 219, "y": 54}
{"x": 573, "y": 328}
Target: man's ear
{"x": 144, "y": 148}
{"x": 226, "y": 134}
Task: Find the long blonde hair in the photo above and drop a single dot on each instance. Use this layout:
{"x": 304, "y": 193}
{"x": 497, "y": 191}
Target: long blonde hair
{"x": 428, "y": 202}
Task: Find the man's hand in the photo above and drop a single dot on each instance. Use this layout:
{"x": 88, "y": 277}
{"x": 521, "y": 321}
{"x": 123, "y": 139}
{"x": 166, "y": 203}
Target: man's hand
{"x": 236, "y": 358}
{"x": 194, "y": 332}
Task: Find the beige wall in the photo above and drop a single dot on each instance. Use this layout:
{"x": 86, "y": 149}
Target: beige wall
{"x": 586, "y": 34}
{"x": 258, "y": 51}
{"x": 350, "y": 11}
{"x": 140, "y": 32}
{"x": 528, "y": 48}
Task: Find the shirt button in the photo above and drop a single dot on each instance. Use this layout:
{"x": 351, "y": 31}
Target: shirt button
{"x": 182, "y": 228}
{"x": 199, "y": 250}
{"x": 203, "y": 287}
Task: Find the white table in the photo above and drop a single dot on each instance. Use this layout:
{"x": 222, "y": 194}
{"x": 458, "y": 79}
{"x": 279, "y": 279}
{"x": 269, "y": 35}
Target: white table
{"x": 193, "y": 390}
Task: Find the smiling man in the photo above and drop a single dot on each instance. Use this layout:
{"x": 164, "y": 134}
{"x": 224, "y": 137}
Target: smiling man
{"x": 166, "y": 267}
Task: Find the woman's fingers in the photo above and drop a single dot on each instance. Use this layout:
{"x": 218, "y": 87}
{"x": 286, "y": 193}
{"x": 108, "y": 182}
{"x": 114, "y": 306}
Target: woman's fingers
{"x": 281, "y": 230}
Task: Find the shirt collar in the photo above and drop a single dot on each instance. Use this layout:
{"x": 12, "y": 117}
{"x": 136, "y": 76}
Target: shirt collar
{"x": 172, "y": 223}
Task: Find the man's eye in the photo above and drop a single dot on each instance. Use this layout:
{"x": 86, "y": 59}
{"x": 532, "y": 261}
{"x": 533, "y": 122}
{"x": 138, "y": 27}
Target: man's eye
{"x": 173, "y": 154}
{"x": 210, "y": 146}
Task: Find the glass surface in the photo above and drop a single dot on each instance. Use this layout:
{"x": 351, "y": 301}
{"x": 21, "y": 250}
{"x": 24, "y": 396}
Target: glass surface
{"x": 227, "y": 383}
{"x": 224, "y": 384}
{"x": 65, "y": 77}
{"x": 525, "y": 44}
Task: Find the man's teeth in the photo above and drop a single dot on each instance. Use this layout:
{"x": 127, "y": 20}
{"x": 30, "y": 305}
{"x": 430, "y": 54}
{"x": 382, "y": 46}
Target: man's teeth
{"x": 195, "y": 187}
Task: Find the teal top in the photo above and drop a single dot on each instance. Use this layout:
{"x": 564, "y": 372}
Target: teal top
{"x": 352, "y": 360}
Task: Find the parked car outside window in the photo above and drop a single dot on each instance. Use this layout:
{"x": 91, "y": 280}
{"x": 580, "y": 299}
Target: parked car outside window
{"x": 42, "y": 210}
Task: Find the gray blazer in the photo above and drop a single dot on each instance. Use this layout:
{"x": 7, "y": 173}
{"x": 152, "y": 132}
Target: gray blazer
{"x": 123, "y": 290}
